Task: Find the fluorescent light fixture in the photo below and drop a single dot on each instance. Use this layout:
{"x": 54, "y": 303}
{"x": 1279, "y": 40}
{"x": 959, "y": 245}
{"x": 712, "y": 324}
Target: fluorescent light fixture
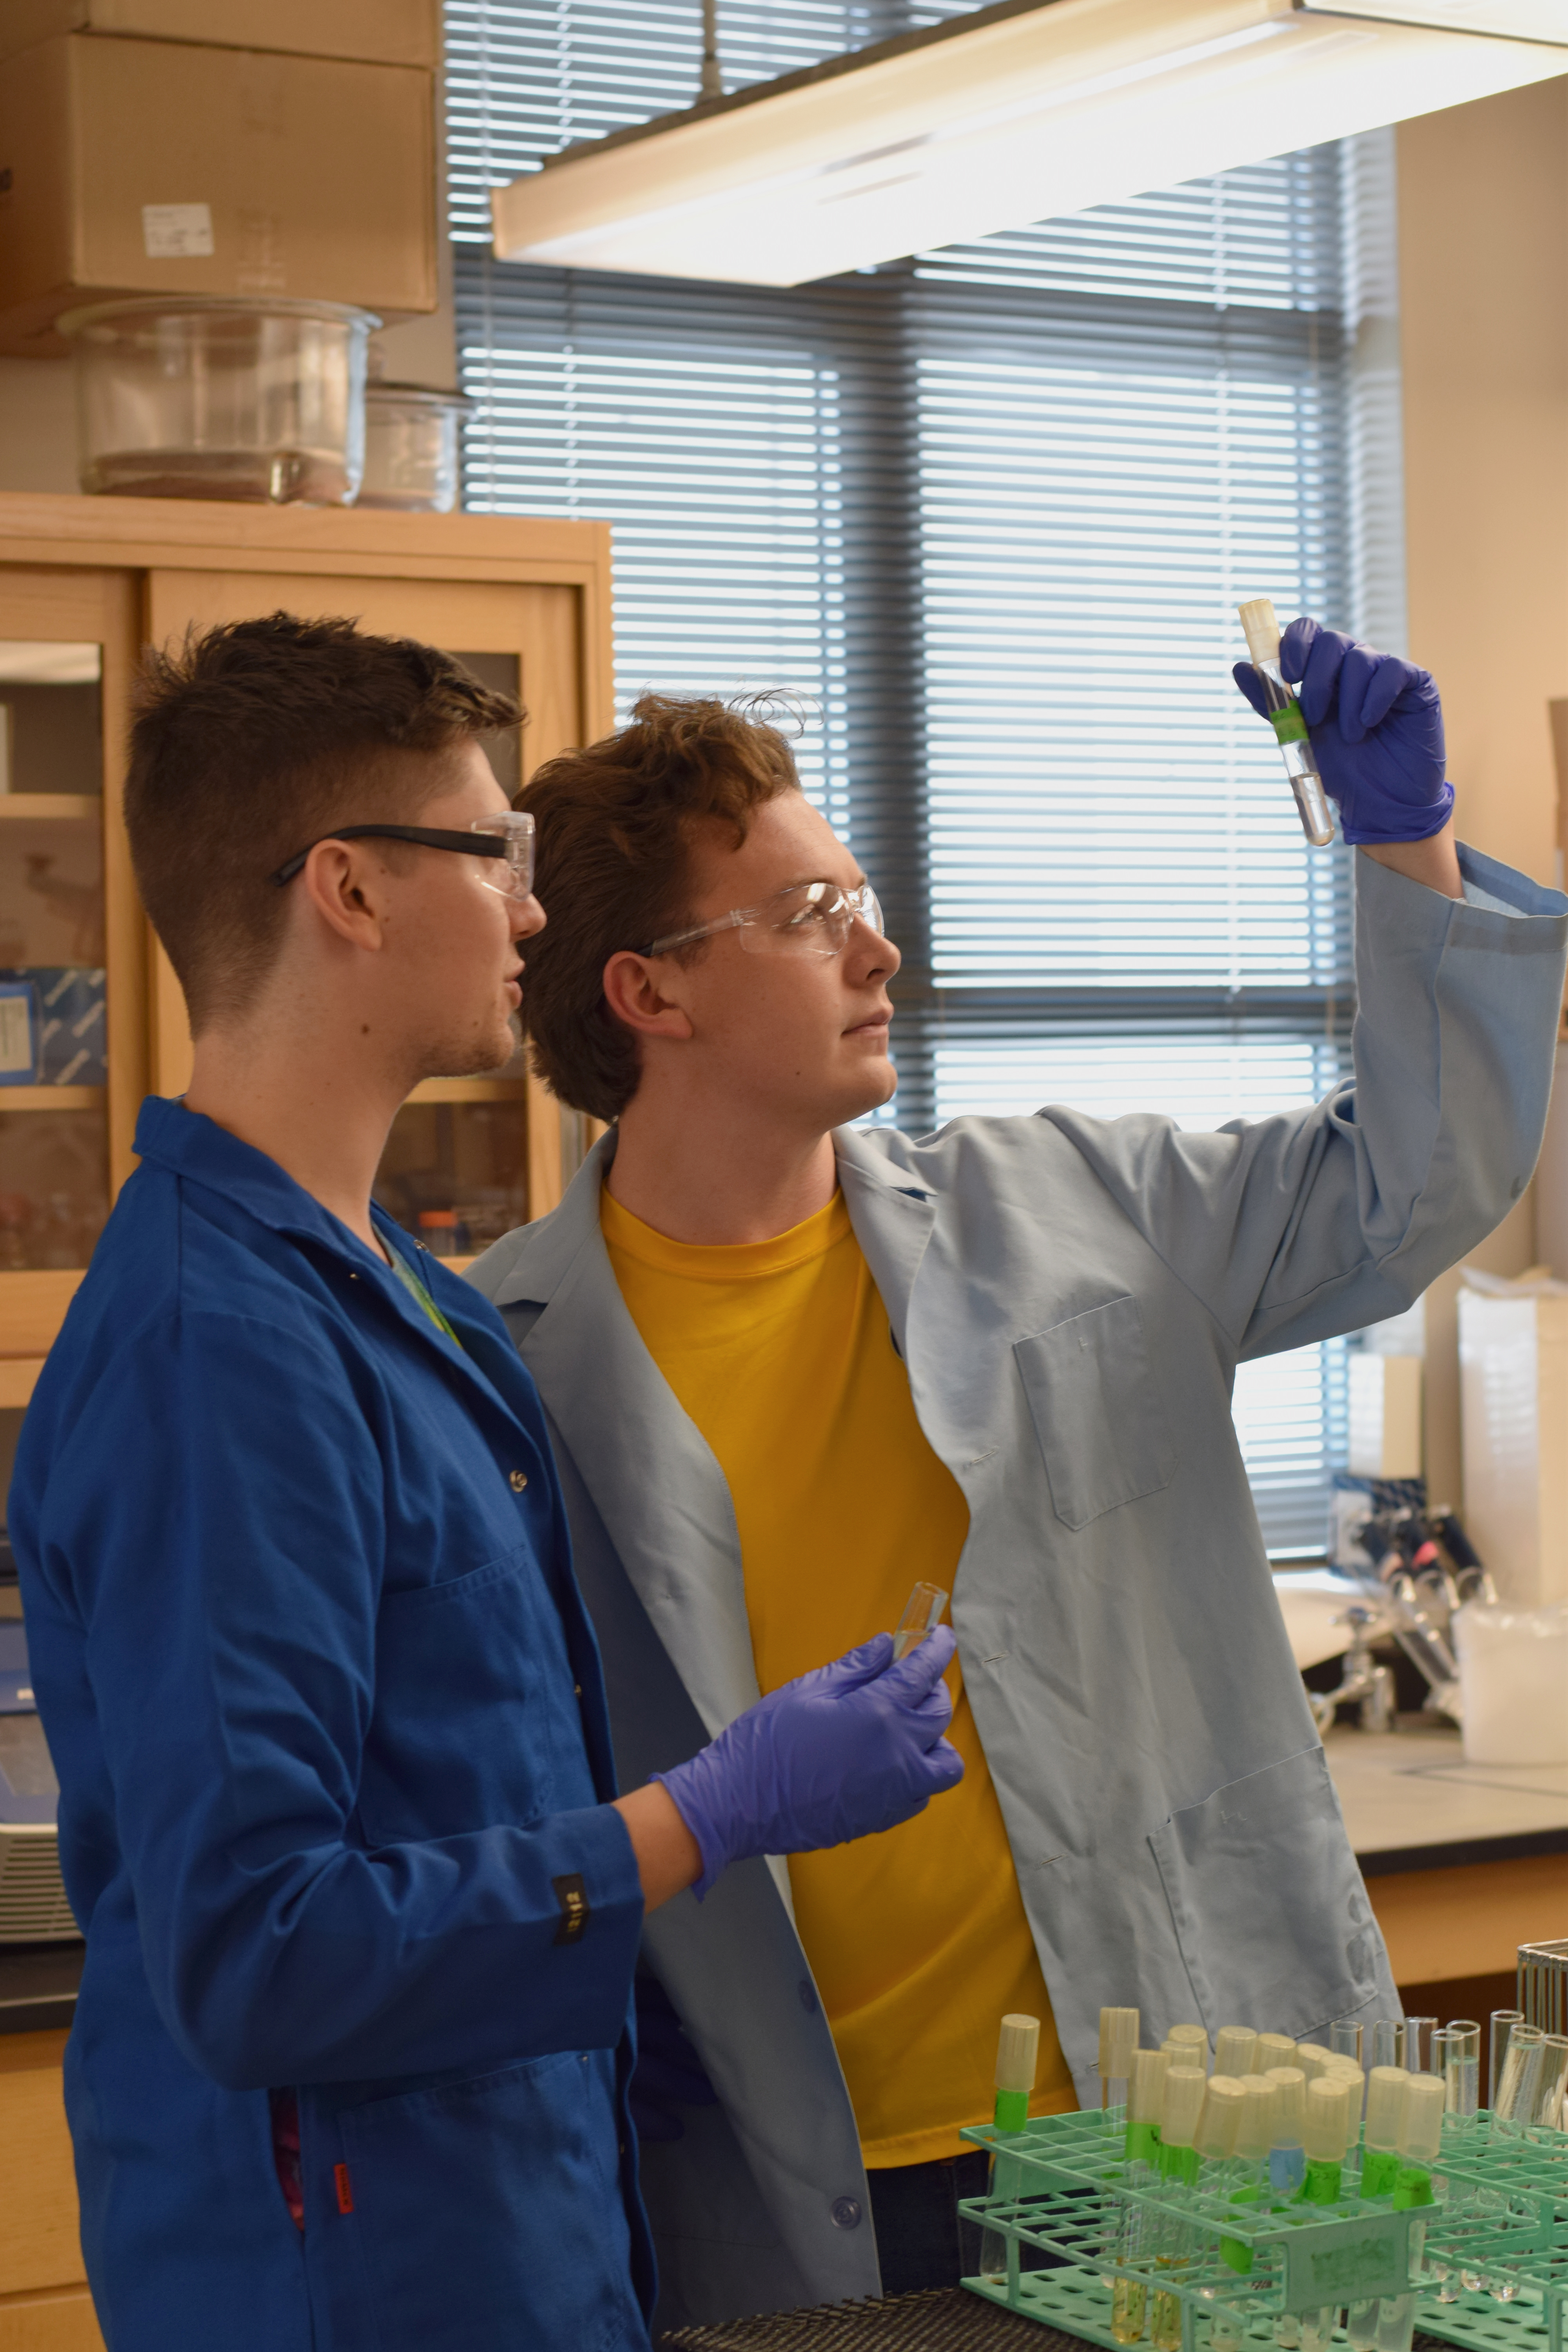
{"x": 1017, "y": 113}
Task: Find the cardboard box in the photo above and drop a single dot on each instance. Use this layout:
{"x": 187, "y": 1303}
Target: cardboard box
{"x": 159, "y": 167}
{"x": 1513, "y": 1403}
{"x": 382, "y": 32}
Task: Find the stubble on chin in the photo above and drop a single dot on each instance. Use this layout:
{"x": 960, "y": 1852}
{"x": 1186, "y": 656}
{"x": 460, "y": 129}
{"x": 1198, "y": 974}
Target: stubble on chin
{"x": 475, "y": 1055}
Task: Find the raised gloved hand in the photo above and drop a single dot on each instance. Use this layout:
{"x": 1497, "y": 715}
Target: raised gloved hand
{"x": 1376, "y": 726}
{"x": 853, "y": 1747}
{"x": 668, "y": 2074}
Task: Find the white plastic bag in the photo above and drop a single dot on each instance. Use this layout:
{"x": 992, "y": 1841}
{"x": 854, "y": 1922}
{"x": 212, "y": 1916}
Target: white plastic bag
{"x": 1513, "y": 1677}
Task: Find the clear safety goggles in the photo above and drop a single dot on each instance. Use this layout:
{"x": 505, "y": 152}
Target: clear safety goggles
{"x": 505, "y": 841}
{"x": 810, "y": 918}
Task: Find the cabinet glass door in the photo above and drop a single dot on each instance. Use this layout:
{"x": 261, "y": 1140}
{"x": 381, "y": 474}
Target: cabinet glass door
{"x": 54, "y": 1072}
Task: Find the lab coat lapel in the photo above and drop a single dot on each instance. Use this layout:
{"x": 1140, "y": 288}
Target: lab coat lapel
{"x": 892, "y": 1215}
{"x": 652, "y": 1476}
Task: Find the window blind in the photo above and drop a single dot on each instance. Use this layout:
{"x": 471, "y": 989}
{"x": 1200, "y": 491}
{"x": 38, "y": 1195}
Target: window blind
{"x": 987, "y": 512}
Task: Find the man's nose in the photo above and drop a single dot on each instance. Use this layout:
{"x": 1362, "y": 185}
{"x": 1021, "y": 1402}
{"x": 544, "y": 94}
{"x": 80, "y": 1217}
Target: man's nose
{"x": 528, "y": 916}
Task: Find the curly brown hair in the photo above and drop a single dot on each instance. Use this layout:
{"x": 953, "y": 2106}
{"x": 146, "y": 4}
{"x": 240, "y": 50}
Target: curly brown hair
{"x": 251, "y": 740}
{"x": 616, "y": 824}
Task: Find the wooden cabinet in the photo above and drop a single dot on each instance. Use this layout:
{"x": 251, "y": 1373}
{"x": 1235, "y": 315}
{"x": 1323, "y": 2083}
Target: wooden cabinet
{"x": 90, "y": 1014}
{"x": 44, "y": 2305}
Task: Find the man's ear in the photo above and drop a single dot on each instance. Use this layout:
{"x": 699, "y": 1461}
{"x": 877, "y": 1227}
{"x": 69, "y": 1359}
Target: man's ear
{"x": 643, "y": 994}
{"x": 345, "y": 884}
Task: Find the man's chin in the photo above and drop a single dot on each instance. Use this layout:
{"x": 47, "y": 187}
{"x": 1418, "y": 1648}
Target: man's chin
{"x": 473, "y": 1058}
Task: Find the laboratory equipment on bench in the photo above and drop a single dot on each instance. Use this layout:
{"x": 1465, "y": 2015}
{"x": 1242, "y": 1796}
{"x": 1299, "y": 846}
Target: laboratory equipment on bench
{"x": 1238, "y": 2213}
{"x": 923, "y": 1615}
{"x": 1286, "y": 719}
{"x": 33, "y": 1906}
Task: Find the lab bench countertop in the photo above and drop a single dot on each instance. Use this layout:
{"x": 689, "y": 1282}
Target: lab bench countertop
{"x": 1412, "y": 1803}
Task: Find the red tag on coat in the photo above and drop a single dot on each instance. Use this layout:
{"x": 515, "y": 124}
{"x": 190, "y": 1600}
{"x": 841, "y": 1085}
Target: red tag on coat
{"x": 346, "y": 2193}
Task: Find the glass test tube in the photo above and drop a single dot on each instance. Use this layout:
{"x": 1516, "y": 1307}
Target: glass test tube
{"x": 1548, "y": 2086}
{"x": 1503, "y": 2021}
{"x": 1285, "y": 716}
{"x": 1513, "y": 2101}
{"x": 1416, "y": 2045}
{"x": 1386, "y": 2035}
{"x": 1462, "y": 2067}
{"x": 923, "y": 1615}
{"x": 1345, "y": 2038}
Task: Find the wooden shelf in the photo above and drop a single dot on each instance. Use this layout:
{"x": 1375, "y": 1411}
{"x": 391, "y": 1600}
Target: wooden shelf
{"x": 52, "y": 1098}
{"x": 57, "y": 808}
{"x": 469, "y": 1090}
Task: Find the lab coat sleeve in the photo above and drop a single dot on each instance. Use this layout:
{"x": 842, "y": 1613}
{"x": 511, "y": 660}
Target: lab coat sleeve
{"x": 1316, "y": 1221}
{"x": 217, "y": 1526}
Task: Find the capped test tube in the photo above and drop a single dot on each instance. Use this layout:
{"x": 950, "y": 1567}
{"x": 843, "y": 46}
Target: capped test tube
{"x": 1188, "y": 2046}
{"x": 1118, "y": 2041}
{"x": 1271, "y": 2049}
{"x": 1285, "y": 716}
{"x": 923, "y": 1615}
{"x": 1233, "y": 2049}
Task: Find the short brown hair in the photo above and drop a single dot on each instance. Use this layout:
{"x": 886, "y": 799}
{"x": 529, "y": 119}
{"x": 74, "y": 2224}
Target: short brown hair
{"x": 251, "y": 740}
{"x": 616, "y": 828}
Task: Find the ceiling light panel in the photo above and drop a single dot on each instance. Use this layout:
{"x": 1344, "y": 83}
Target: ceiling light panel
{"x": 1018, "y": 114}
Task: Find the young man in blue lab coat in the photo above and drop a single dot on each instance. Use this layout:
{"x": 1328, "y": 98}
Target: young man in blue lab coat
{"x": 1146, "y": 1815}
{"x": 337, "y": 1811}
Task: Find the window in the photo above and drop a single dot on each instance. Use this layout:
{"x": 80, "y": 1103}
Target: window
{"x": 989, "y": 512}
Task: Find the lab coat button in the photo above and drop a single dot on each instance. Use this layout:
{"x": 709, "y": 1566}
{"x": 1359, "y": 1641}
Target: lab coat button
{"x": 807, "y": 1992}
{"x": 845, "y": 2212}
{"x": 518, "y": 1480}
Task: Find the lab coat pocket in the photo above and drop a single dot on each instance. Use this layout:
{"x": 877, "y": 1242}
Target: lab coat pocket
{"x": 1268, "y": 1906}
{"x": 489, "y": 2210}
{"x": 1097, "y": 1411}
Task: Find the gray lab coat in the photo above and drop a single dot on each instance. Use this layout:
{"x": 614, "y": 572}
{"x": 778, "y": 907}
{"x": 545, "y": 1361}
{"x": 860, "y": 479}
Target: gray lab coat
{"x": 1072, "y": 1296}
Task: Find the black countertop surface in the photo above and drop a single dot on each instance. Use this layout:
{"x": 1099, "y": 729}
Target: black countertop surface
{"x": 37, "y": 1985}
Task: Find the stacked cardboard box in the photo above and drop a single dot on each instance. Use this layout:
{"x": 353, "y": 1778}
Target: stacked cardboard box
{"x": 237, "y": 147}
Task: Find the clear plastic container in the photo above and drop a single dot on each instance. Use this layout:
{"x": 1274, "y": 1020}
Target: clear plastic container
{"x": 205, "y": 397}
{"x": 410, "y": 448}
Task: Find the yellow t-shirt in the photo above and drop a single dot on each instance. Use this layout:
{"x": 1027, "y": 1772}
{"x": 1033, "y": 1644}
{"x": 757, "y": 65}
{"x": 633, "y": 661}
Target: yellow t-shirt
{"x": 780, "y": 1352}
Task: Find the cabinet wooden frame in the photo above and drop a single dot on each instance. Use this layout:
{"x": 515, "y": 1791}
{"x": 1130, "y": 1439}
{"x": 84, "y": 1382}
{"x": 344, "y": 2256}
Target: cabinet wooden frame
{"x": 127, "y": 571}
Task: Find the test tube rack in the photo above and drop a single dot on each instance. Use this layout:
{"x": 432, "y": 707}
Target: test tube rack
{"x": 1492, "y": 2277}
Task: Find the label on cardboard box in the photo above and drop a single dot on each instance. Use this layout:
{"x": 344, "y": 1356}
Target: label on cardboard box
{"x": 177, "y": 232}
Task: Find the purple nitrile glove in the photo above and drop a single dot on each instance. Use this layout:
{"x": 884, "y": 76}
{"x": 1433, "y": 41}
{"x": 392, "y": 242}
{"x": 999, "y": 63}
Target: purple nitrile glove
{"x": 1376, "y": 728}
{"x": 668, "y": 2072}
{"x": 853, "y": 1747}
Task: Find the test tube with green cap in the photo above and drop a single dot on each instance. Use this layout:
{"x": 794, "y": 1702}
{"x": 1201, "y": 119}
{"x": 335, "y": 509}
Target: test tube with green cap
{"x": 1420, "y": 2143}
{"x": 1128, "y": 2300}
{"x": 1018, "y": 2057}
{"x": 1254, "y": 2134}
{"x": 1118, "y": 2041}
{"x": 1325, "y": 2134}
{"x": 1180, "y": 2111}
{"x": 1386, "y": 2087}
{"x": 1288, "y": 721}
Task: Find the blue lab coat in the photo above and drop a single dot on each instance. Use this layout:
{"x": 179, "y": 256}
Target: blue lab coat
{"x": 333, "y": 1755}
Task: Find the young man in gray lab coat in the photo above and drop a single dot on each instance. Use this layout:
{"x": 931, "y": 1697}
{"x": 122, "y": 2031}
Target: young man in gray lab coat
{"x": 1147, "y": 1816}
